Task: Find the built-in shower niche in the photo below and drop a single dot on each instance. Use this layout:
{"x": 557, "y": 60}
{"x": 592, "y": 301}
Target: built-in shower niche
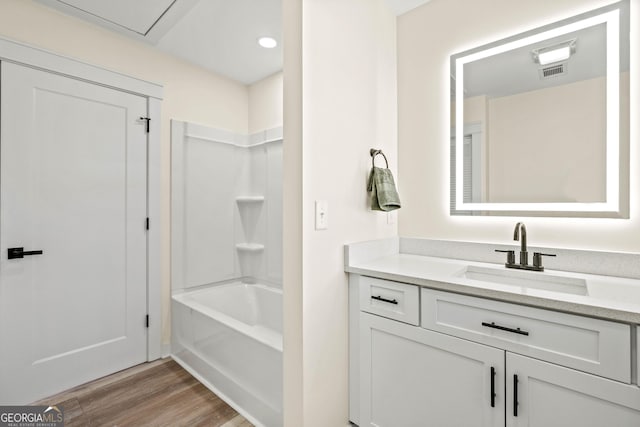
{"x": 249, "y": 209}
{"x": 249, "y": 251}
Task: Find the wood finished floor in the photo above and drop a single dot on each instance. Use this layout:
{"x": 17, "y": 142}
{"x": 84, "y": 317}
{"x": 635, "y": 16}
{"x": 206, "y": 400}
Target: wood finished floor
{"x": 157, "y": 394}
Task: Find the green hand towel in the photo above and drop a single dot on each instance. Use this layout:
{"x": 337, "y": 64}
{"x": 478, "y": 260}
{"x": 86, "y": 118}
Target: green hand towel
{"x": 384, "y": 196}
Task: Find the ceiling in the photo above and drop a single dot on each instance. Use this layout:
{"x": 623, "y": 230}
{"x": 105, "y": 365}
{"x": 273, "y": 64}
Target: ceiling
{"x": 400, "y": 7}
{"x": 515, "y": 71}
{"x": 220, "y": 35}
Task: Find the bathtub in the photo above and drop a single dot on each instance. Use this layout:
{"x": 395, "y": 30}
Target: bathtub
{"x": 230, "y": 338}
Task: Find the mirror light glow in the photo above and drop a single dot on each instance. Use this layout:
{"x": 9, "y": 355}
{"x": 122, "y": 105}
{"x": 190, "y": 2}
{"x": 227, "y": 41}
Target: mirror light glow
{"x": 612, "y": 202}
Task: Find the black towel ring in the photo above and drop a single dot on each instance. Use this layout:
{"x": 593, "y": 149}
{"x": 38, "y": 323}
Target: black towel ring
{"x": 374, "y": 153}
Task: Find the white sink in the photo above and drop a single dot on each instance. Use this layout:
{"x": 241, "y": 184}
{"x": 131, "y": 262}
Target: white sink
{"x": 526, "y": 279}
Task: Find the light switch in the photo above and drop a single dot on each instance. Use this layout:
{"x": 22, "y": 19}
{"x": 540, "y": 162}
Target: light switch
{"x": 391, "y": 217}
{"x": 322, "y": 215}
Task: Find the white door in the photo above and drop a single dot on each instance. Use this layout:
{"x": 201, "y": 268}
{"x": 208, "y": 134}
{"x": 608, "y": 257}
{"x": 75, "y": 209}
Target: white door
{"x": 73, "y": 185}
{"x": 547, "y": 395}
{"x": 412, "y": 377}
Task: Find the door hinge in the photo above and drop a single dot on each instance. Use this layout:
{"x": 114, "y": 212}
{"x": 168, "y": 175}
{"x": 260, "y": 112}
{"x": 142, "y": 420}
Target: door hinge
{"x": 147, "y": 119}
{"x": 147, "y": 224}
{"x": 146, "y": 322}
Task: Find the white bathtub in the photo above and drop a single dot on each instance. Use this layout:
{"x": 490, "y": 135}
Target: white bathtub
{"x": 230, "y": 338}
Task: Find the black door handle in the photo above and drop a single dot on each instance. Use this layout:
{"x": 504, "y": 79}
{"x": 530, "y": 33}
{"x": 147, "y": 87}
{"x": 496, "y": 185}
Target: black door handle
{"x": 493, "y": 387}
{"x": 13, "y": 253}
{"x": 515, "y": 396}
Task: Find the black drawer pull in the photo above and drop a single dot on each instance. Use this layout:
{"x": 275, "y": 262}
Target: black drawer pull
{"x": 379, "y": 298}
{"x": 504, "y": 328}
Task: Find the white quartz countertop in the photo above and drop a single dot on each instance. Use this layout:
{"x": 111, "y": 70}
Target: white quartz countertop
{"x": 606, "y": 297}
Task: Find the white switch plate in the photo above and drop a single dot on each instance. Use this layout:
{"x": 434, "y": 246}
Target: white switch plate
{"x": 391, "y": 217}
{"x": 322, "y": 215}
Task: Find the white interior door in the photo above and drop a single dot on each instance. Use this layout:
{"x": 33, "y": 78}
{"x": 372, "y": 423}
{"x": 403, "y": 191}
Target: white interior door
{"x": 72, "y": 184}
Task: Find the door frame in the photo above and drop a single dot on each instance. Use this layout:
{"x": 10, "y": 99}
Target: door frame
{"x": 23, "y": 54}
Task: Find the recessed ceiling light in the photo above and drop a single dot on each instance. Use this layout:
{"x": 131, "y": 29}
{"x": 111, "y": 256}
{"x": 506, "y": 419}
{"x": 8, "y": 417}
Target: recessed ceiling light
{"x": 267, "y": 42}
{"x": 556, "y": 53}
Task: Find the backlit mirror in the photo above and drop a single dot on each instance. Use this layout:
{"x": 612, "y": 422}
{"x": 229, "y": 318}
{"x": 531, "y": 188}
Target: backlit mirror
{"x": 540, "y": 120}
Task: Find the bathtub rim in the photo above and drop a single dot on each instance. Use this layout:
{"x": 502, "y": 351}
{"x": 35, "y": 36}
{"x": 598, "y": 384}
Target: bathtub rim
{"x": 261, "y": 334}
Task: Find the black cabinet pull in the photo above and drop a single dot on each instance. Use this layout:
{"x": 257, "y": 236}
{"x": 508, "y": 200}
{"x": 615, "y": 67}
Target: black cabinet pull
{"x": 504, "y": 328}
{"x": 379, "y": 298}
{"x": 14, "y": 253}
{"x": 515, "y": 395}
{"x": 493, "y": 387}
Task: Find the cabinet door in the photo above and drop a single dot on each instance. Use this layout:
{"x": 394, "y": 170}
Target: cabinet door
{"x": 412, "y": 377}
{"x": 548, "y": 395}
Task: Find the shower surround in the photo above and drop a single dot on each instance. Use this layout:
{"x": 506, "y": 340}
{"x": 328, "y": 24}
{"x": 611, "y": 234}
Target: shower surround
{"x": 227, "y": 264}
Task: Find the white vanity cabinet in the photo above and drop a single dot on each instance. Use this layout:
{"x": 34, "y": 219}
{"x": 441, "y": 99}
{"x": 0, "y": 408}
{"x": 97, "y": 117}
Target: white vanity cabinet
{"x": 638, "y": 346}
{"x": 591, "y": 345}
{"x": 538, "y": 368}
{"x": 414, "y": 377}
{"x": 548, "y": 395}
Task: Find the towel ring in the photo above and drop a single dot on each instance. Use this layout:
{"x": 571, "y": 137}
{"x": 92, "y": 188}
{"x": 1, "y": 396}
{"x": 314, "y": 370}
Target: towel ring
{"x": 374, "y": 153}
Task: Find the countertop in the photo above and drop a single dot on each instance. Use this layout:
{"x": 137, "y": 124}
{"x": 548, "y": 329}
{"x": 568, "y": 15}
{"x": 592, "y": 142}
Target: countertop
{"x": 608, "y": 297}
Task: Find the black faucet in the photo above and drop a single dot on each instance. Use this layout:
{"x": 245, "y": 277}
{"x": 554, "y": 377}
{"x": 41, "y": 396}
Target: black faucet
{"x": 520, "y": 233}
{"x": 517, "y": 232}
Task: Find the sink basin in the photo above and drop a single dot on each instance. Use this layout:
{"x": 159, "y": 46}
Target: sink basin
{"x": 526, "y": 279}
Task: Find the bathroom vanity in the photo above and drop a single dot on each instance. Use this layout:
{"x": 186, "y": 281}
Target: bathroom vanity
{"x": 441, "y": 337}
{"x": 449, "y": 333}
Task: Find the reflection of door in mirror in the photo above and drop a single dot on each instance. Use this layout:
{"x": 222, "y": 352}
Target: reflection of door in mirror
{"x": 473, "y": 154}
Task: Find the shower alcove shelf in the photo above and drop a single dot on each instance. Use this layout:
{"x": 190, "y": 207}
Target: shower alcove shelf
{"x": 249, "y": 252}
{"x": 249, "y": 199}
{"x": 250, "y": 247}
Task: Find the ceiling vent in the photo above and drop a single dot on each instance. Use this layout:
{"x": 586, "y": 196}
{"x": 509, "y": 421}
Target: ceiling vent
{"x": 555, "y": 70}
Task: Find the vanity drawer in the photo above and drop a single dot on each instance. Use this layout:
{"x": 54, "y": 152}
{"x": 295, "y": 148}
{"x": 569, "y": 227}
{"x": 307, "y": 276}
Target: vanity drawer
{"x": 398, "y": 301}
{"x": 590, "y": 345}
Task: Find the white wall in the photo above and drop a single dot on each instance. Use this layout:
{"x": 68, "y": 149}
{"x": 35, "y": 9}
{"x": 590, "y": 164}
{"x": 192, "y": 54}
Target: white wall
{"x": 427, "y": 36}
{"x": 340, "y": 101}
{"x": 562, "y": 128}
{"x": 190, "y": 93}
{"x": 265, "y": 103}
{"x": 292, "y": 328}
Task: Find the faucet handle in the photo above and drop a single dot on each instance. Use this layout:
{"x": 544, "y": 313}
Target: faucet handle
{"x": 511, "y": 255}
{"x": 537, "y": 259}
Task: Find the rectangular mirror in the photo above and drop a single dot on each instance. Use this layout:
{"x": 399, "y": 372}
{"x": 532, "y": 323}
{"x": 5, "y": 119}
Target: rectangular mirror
{"x": 540, "y": 120}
